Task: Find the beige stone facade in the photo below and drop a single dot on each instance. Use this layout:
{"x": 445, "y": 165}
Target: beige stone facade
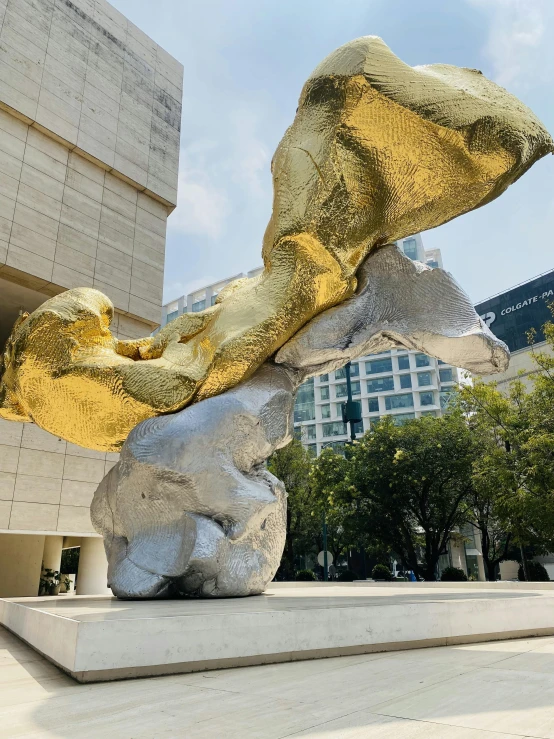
{"x": 81, "y": 71}
{"x": 65, "y": 222}
{"x": 90, "y": 112}
{"x": 89, "y": 153}
{"x": 46, "y": 484}
{"x": 521, "y": 366}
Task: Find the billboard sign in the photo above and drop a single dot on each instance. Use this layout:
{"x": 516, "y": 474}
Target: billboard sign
{"x": 512, "y": 314}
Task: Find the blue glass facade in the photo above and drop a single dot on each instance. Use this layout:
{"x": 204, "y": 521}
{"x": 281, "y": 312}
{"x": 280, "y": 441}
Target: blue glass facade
{"x": 512, "y": 314}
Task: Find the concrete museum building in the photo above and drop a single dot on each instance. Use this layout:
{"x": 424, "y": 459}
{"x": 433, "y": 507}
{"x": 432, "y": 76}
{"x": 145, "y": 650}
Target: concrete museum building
{"x": 90, "y": 113}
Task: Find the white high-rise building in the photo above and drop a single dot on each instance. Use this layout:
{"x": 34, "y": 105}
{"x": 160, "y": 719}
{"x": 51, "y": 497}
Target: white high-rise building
{"x": 404, "y": 384}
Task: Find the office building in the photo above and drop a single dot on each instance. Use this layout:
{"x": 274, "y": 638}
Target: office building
{"x": 89, "y": 145}
{"x": 511, "y": 315}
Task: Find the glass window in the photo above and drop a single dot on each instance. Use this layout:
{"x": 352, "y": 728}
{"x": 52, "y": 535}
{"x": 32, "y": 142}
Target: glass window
{"x": 373, "y": 405}
{"x": 445, "y": 398}
{"x": 424, "y": 379}
{"x": 440, "y": 361}
{"x": 338, "y": 410}
{"x": 404, "y": 362}
{"x": 427, "y": 398}
{"x": 171, "y": 316}
{"x": 342, "y": 392}
{"x": 326, "y": 411}
{"x": 380, "y": 385}
{"x": 312, "y": 450}
{"x": 303, "y": 433}
{"x": 324, "y": 378}
{"x": 324, "y": 392}
{"x": 376, "y": 366}
{"x": 392, "y": 402}
{"x": 335, "y": 428}
{"x": 422, "y": 360}
{"x": 359, "y": 428}
{"x": 340, "y": 374}
{"x": 304, "y": 407}
{"x": 213, "y": 299}
{"x": 373, "y": 421}
{"x": 446, "y": 374}
{"x": 336, "y": 446}
{"x": 410, "y": 248}
{"x": 405, "y": 382}
{"x": 198, "y": 306}
{"x": 400, "y": 418}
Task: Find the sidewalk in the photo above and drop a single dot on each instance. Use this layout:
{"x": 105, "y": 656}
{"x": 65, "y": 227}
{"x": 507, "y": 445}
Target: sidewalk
{"x": 478, "y": 691}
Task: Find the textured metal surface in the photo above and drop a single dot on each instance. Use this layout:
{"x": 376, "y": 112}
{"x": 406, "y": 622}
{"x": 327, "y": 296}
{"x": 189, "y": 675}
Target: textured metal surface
{"x": 399, "y": 303}
{"x": 377, "y": 151}
{"x": 190, "y": 508}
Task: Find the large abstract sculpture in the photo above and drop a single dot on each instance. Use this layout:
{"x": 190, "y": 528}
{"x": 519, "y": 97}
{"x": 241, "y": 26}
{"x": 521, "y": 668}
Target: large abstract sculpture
{"x": 190, "y": 507}
{"x": 377, "y": 151}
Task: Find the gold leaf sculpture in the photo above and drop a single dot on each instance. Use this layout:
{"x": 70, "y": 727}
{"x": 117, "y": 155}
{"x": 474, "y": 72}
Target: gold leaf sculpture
{"x": 378, "y": 151}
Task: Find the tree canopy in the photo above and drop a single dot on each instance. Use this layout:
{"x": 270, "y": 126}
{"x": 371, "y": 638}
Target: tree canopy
{"x": 404, "y": 489}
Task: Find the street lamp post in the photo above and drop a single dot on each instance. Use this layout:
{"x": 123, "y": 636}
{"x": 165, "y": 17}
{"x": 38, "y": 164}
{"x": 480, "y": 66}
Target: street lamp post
{"x": 352, "y": 414}
{"x": 352, "y": 409}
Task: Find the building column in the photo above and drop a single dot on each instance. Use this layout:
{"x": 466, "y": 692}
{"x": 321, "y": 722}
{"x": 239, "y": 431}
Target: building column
{"x": 20, "y": 564}
{"x": 480, "y": 564}
{"x": 92, "y": 577}
{"x": 52, "y": 553}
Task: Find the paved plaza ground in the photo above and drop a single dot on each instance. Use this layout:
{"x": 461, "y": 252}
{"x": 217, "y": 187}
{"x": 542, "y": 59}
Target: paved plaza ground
{"x": 477, "y": 691}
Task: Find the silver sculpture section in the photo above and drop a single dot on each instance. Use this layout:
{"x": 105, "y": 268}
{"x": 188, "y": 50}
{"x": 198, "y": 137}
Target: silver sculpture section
{"x": 191, "y": 509}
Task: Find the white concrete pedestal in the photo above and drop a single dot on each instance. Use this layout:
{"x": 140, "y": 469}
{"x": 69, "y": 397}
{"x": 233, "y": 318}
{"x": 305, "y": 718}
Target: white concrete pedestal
{"x": 101, "y": 638}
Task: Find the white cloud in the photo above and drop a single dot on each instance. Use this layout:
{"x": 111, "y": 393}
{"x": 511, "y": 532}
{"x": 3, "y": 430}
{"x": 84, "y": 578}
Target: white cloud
{"x": 202, "y": 205}
{"x": 518, "y": 46}
{"x": 251, "y": 155}
{"x": 213, "y": 175}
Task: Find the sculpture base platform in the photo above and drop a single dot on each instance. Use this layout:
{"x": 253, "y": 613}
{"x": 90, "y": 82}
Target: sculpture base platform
{"x": 101, "y": 638}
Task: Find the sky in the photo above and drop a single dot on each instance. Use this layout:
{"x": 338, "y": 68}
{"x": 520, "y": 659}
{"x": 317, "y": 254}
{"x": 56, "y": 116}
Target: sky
{"x": 245, "y": 63}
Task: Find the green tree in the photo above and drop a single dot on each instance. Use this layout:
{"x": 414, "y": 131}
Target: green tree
{"x": 409, "y": 486}
{"x": 498, "y": 506}
{"x": 514, "y": 471}
{"x": 292, "y": 465}
{"x": 329, "y": 483}
{"x": 485, "y": 515}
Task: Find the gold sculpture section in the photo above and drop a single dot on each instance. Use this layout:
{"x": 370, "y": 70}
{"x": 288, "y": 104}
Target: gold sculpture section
{"x": 378, "y": 151}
